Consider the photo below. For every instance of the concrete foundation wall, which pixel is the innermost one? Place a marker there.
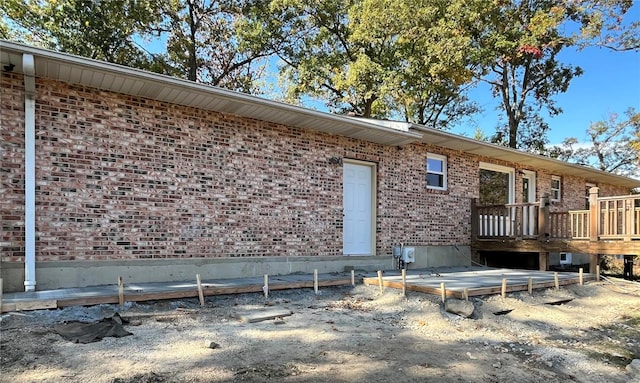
(576, 259)
(69, 274)
(440, 256)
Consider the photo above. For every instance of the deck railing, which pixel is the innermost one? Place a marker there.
(507, 221)
(579, 222)
(619, 217)
(609, 218)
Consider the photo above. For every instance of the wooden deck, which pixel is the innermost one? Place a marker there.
(476, 280)
(610, 226)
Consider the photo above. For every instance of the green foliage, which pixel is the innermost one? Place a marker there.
(99, 29)
(213, 42)
(604, 23)
(518, 45)
(612, 147)
(400, 59)
(379, 58)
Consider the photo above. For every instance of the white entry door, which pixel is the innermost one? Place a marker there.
(357, 201)
(529, 196)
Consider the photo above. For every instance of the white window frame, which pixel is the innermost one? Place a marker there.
(443, 159)
(558, 189)
(503, 169)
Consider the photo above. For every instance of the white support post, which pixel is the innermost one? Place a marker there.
(28, 70)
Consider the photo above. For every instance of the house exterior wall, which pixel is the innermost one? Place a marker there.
(124, 178)
(127, 178)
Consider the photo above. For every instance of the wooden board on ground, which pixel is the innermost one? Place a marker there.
(30, 305)
(259, 315)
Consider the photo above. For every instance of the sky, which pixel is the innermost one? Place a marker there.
(610, 84)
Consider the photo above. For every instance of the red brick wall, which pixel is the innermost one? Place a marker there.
(124, 178)
(11, 165)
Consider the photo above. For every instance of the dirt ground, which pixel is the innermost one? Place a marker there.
(346, 334)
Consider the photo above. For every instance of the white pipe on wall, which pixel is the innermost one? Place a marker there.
(28, 70)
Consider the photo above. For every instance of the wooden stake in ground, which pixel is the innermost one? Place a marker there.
(465, 294)
(556, 280)
(580, 277)
(443, 292)
(530, 285)
(380, 281)
(200, 292)
(265, 288)
(315, 281)
(120, 291)
(0, 295)
(404, 282)
(504, 287)
(353, 277)
(597, 273)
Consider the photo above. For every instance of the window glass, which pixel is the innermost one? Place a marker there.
(556, 191)
(436, 172)
(494, 187)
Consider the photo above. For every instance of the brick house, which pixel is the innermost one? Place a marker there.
(108, 171)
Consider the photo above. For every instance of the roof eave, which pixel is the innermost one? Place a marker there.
(139, 83)
(480, 148)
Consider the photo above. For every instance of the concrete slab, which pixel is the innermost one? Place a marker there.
(476, 280)
(171, 290)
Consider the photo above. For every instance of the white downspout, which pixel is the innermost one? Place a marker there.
(28, 70)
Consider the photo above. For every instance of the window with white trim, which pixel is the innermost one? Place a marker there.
(556, 188)
(497, 184)
(436, 172)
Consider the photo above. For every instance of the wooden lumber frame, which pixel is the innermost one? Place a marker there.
(460, 294)
(139, 296)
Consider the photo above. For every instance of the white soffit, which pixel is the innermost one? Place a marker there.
(526, 160)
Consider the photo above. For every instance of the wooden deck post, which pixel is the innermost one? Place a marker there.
(594, 214)
(475, 218)
(594, 263)
(543, 218)
(543, 260)
(629, 218)
(580, 276)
